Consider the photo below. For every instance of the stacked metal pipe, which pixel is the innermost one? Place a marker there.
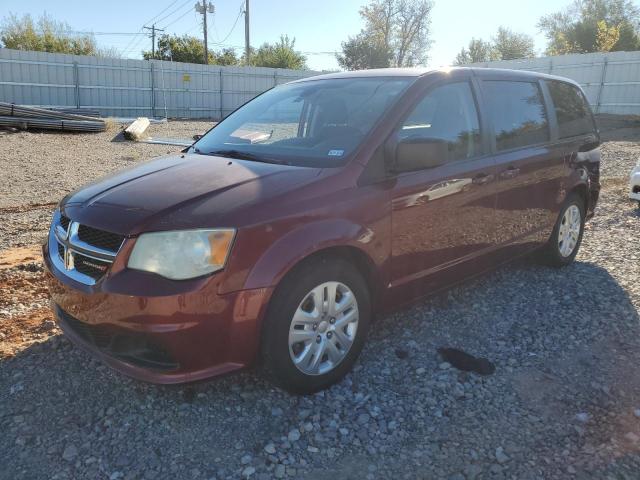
(18, 116)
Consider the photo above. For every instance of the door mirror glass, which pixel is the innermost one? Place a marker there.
(419, 153)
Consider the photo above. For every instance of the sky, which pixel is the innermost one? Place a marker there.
(318, 26)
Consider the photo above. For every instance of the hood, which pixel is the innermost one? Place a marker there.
(181, 191)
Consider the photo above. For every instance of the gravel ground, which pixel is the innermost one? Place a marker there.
(564, 401)
(38, 169)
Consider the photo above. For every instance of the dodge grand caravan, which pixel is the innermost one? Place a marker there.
(278, 235)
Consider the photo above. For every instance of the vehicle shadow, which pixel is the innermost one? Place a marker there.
(562, 341)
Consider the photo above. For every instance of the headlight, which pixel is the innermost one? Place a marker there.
(180, 255)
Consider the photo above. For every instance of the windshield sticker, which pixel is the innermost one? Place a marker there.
(335, 153)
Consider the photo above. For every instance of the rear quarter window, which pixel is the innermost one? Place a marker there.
(572, 111)
(517, 112)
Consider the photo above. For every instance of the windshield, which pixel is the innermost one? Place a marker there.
(315, 123)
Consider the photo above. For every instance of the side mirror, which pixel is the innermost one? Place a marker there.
(420, 153)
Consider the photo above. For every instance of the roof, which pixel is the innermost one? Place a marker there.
(375, 72)
(419, 72)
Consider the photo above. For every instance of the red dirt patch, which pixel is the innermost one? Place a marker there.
(19, 332)
(13, 257)
(25, 317)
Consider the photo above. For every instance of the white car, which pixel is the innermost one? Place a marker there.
(634, 184)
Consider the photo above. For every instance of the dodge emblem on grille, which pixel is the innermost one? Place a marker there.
(68, 259)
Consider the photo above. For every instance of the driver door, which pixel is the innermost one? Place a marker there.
(443, 216)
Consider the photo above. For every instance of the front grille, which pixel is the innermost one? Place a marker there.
(92, 250)
(131, 347)
(90, 266)
(64, 222)
(100, 238)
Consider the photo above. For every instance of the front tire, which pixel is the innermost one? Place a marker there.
(316, 325)
(563, 246)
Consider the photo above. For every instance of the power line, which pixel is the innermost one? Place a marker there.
(78, 32)
(230, 31)
(130, 44)
(173, 12)
(179, 18)
(162, 11)
(133, 44)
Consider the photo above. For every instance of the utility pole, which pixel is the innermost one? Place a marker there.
(203, 9)
(247, 47)
(153, 38)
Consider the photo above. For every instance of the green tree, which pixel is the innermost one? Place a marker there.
(227, 57)
(505, 45)
(397, 28)
(47, 35)
(188, 49)
(591, 26)
(281, 54)
(628, 40)
(477, 51)
(509, 45)
(359, 53)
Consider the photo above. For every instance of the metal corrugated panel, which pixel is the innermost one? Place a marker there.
(610, 80)
(131, 88)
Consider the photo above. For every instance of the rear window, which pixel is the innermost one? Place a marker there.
(517, 112)
(572, 111)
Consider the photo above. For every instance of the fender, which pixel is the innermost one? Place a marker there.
(298, 244)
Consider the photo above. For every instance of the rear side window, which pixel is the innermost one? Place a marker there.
(572, 111)
(517, 112)
(447, 113)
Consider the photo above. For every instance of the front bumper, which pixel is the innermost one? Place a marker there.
(174, 337)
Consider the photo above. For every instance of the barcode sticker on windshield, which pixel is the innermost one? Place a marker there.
(335, 153)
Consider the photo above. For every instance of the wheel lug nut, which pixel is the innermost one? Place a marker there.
(315, 326)
(329, 334)
(332, 321)
(318, 339)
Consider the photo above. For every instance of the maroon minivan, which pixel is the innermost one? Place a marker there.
(281, 232)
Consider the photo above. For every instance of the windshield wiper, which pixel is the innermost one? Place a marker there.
(241, 156)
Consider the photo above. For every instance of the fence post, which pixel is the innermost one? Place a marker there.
(275, 78)
(602, 78)
(76, 81)
(221, 94)
(153, 90)
(550, 66)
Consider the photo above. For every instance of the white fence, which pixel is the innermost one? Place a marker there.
(610, 80)
(132, 88)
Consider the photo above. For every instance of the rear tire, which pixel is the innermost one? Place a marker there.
(308, 344)
(564, 243)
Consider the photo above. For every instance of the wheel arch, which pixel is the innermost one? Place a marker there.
(582, 190)
(357, 257)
